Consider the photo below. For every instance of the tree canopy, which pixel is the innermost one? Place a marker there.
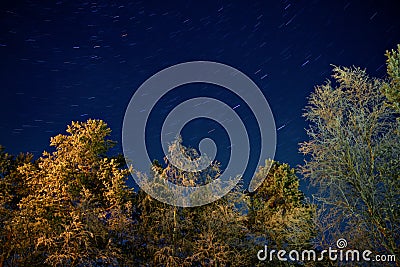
(72, 207)
(78, 208)
(354, 148)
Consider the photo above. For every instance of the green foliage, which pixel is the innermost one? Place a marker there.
(227, 232)
(391, 89)
(202, 236)
(354, 152)
(278, 211)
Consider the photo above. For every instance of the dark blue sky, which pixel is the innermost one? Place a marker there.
(74, 60)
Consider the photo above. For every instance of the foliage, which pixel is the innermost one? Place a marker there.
(227, 232)
(392, 89)
(200, 236)
(354, 153)
(279, 214)
(72, 207)
(12, 190)
(78, 210)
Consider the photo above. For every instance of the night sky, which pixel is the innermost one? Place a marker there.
(64, 61)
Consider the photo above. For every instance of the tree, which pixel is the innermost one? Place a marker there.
(391, 89)
(12, 190)
(353, 151)
(72, 207)
(78, 210)
(209, 235)
(229, 231)
(279, 214)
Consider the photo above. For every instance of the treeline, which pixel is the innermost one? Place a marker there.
(72, 207)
